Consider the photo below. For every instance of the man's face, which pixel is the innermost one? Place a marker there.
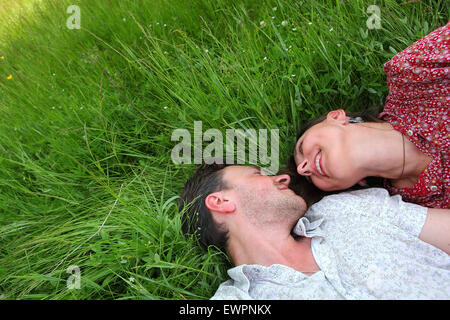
(264, 199)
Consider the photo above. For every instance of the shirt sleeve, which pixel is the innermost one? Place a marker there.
(421, 70)
(419, 92)
(227, 291)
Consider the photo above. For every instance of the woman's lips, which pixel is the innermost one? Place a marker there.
(318, 164)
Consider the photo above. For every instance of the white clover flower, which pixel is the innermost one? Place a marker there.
(294, 29)
(331, 29)
(274, 8)
(310, 23)
(165, 107)
(131, 279)
(262, 23)
(265, 58)
(206, 50)
(284, 23)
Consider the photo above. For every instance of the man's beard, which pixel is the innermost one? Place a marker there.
(278, 208)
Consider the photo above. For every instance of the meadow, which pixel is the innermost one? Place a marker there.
(87, 184)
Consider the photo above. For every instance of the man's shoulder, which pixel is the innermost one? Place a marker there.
(274, 282)
(229, 291)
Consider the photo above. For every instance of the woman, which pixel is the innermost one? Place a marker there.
(407, 145)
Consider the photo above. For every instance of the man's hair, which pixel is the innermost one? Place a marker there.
(207, 179)
(196, 217)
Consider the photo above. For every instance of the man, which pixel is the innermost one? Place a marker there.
(361, 244)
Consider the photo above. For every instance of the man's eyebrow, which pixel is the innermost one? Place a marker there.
(258, 169)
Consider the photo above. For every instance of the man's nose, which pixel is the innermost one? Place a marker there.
(283, 179)
(303, 168)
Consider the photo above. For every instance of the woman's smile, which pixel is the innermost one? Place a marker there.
(318, 164)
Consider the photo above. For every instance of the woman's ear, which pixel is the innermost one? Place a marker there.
(337, 115)
(220, 202)
(363, 183)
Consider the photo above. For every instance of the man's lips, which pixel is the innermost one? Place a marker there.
(283, 188)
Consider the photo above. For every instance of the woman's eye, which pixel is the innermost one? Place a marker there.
(300, 147)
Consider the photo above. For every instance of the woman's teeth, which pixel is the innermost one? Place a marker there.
(319, 169)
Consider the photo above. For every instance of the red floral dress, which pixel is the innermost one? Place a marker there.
(418, 105)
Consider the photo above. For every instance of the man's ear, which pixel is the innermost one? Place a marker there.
(338, 115)
(220, 202)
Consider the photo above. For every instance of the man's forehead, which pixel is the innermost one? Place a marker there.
(232, 172)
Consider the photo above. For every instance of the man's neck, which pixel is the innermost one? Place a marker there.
(266, 249)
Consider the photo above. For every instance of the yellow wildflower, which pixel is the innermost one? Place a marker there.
(2, 58)
(9, 77)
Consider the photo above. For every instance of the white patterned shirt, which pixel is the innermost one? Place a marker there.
(366, 245)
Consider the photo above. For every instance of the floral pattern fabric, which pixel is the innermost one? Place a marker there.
(418, 105)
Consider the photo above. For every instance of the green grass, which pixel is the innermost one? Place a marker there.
(86, 176)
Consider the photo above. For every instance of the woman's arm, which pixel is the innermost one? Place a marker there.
(436, 230)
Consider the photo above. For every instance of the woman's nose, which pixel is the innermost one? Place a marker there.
(283, 179)
(303, 168)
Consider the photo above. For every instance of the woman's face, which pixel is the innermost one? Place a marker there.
(322, 154)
